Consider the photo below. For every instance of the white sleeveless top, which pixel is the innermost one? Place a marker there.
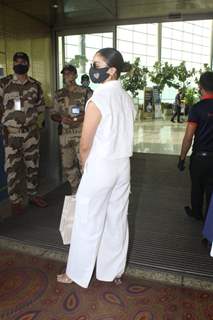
(114, 136)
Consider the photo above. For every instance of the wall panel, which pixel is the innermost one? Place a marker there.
(18, 32)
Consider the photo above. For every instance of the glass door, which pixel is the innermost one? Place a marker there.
(79, 50)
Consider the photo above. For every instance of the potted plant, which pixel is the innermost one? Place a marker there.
(205, 68)
(183, 76)
(135, 81)
(79, 61)
(167, 109)
(163, 75)
(191, 97)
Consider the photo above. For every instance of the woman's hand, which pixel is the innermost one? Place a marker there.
(91, 122)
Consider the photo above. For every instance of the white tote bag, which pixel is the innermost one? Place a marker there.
(67, 219)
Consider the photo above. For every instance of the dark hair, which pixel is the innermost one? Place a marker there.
(206, 81)
(84, 77)
(114, 59)
(69, 67)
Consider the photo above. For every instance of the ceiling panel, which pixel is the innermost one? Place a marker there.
(72, 12)
(38, 9)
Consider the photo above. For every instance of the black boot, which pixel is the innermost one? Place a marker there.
(190, 214)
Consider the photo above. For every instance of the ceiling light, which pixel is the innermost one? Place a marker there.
(55, 6)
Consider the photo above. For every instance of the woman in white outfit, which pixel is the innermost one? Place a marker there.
(100, 230)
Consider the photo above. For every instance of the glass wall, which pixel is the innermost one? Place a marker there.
(139, 40)
(177, 41)
(82, 45)
(188, 41)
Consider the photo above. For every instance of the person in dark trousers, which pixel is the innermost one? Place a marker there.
(177, 107)
(200, 127)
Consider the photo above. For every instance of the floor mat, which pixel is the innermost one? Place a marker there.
(161, 235)
(29, 291)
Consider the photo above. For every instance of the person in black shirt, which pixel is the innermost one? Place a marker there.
(200, 126)
(177, 107)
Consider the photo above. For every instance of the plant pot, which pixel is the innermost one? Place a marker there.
(139, 113)
(167, 114)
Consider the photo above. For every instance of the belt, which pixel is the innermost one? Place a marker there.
(67, 128)
(203, 154)
(23, 129)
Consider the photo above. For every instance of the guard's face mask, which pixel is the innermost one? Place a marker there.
(98, 75)
(85, 84)
(20, 68)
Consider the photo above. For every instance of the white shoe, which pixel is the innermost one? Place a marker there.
(211, 252)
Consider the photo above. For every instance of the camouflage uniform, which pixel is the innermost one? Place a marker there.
(21, 134)
(70, 137)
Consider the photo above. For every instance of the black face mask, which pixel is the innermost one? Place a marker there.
(85, 84)
(98, 75)
(20, 68)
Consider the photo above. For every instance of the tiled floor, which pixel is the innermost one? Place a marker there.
(158, 136)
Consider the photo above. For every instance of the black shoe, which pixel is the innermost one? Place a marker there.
(189, 213)
(172, 120)
(206, 243)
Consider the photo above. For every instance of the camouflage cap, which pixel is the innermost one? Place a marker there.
(69, 67)
(21, 55)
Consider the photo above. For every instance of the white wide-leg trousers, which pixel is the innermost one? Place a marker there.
(100, 231)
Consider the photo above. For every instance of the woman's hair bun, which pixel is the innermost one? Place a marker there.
(126, 67)
(115, 59)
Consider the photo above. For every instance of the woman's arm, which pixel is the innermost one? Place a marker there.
(91, 121)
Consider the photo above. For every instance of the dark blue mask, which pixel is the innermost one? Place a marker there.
(98, 75)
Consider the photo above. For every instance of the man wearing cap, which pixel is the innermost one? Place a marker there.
(85, 82)
(21, 102)
(68, 111)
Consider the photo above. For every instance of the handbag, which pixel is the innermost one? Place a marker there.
(67, 218)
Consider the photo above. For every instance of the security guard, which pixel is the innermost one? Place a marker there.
(85, 82)
(68, 111)
(200, 126)
(21, 103)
